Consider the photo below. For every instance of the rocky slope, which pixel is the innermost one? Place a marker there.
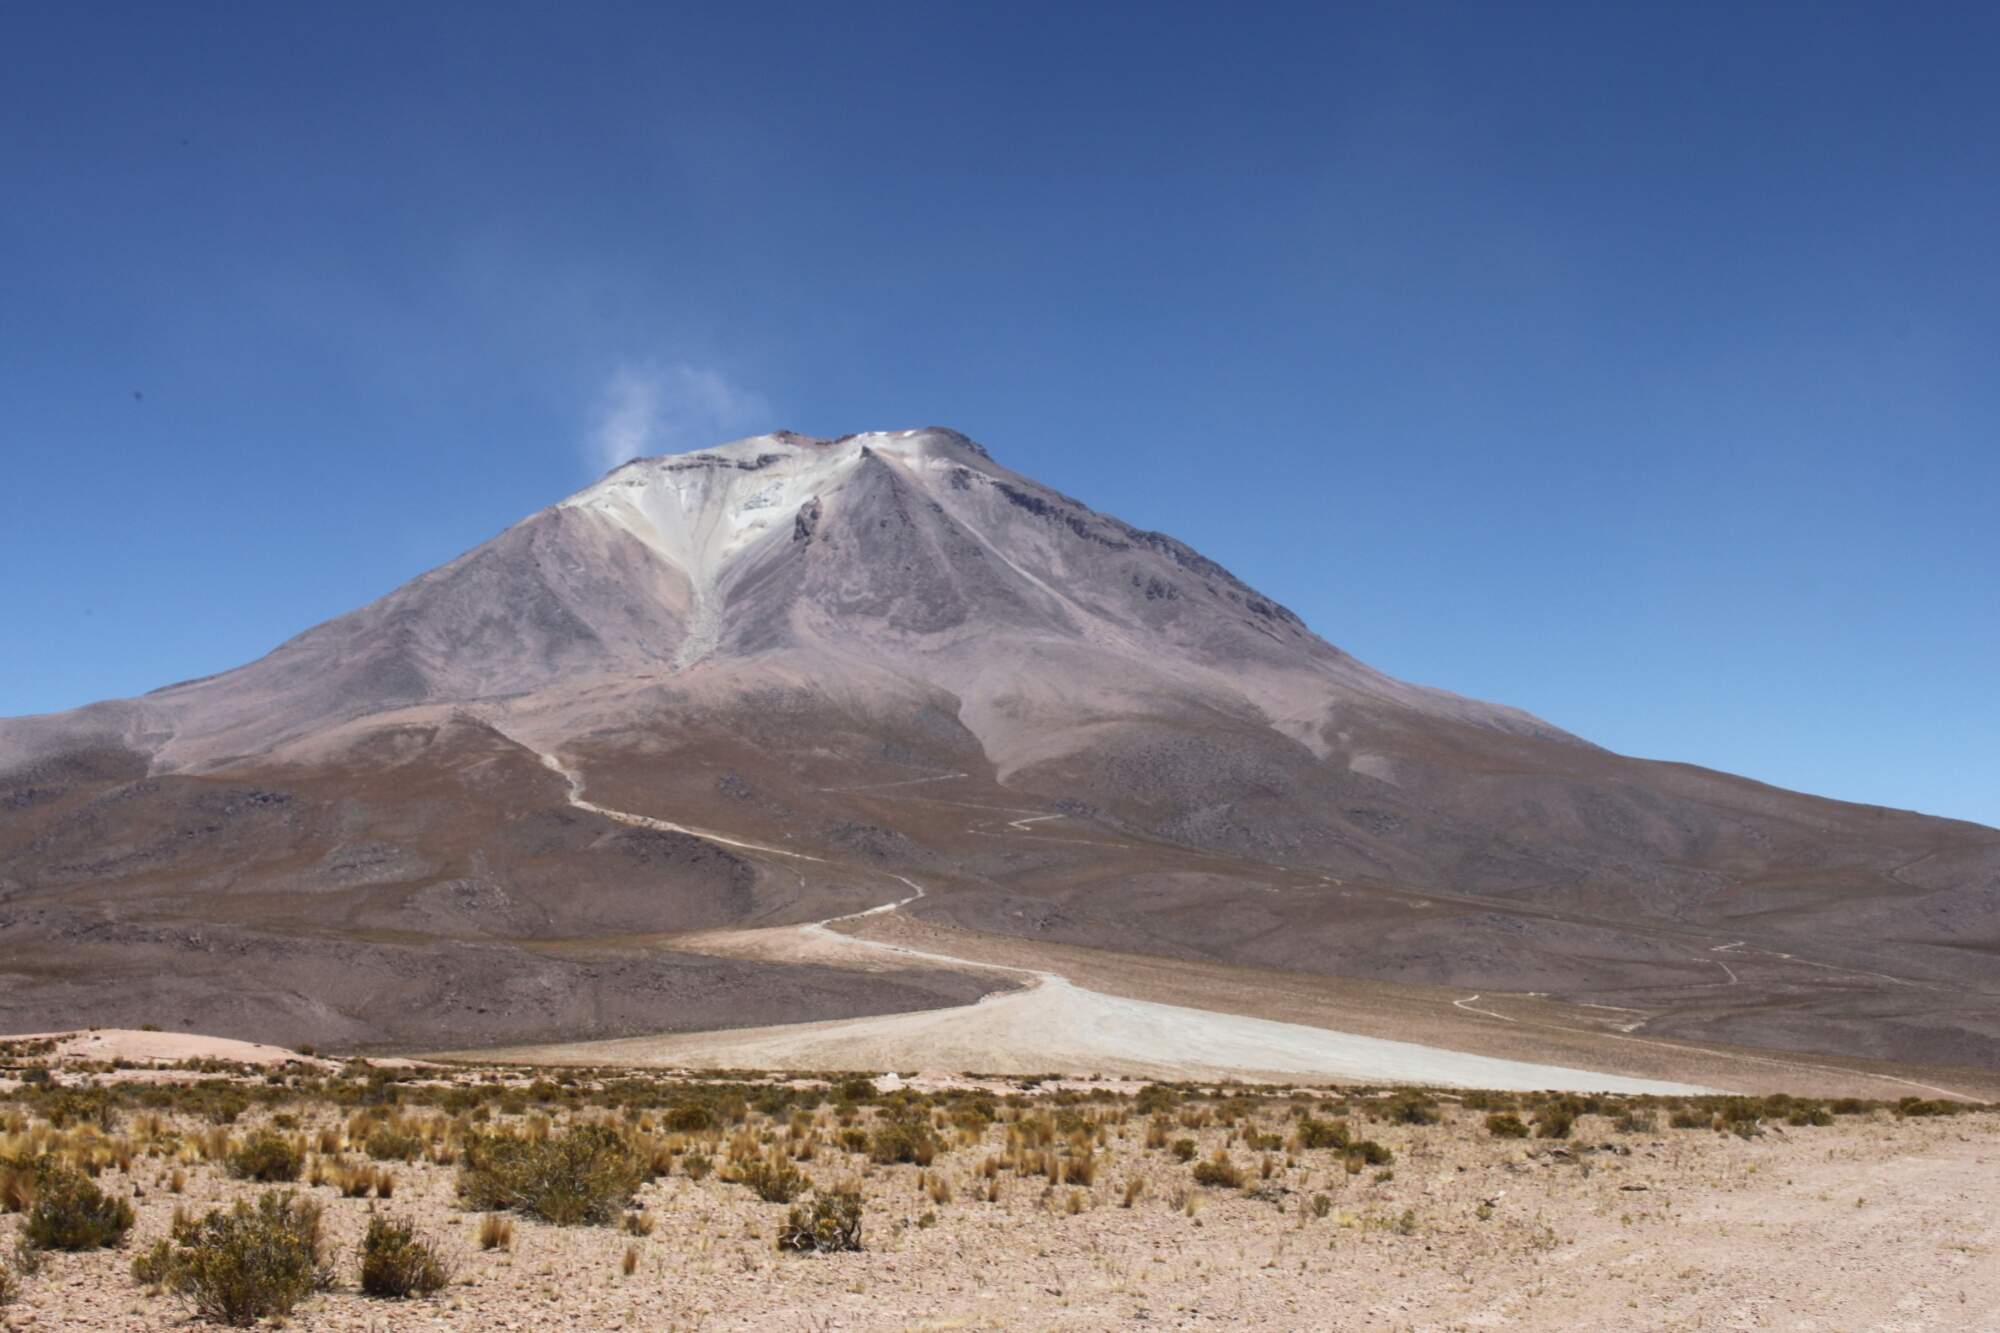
(890, 653)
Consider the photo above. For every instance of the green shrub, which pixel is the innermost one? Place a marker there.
(1411, 1110)
(1921, 1106)
(689, 1118)
(1688, 1117)
(1555, 1119)
(1368, 1152)
(71, 1213)
(396, 1262)
(1479, 1100)
(389, 1145)
(1323, 1133)
(267, 1157)
(1809, 1115)
(155, 1266)
(250, 1263)
(1506, 1125)
(832, 1223)
(904, 1139)
(1218, 1171)
(586, 1175)
(1631, 1121)
(1740, 1116)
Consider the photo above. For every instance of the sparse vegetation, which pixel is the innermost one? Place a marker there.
(579, 1146)
(584, 1176)
(833, 1222)
(69, 1211)
(773, 1178)
(249, 1262)
(267, 1158)
(1219, 1171)
(396, 1262)
(904, 1139)
(496, 1232)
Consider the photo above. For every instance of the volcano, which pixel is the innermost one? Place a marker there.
(745, 688)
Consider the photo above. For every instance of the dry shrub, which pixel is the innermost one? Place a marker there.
(250, 1263)
(387, 1144)
(396, 1262)
(69, 1212)
(1219, 1171)
(905, 1139)
(773, 1179)
(1506, 1125)
(1323, 1133)
(267, 1158)
(1555, 1119)
(832, 1223)
(585, 1176)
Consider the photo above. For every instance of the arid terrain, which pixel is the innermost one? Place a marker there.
(541, 794)
(1012, 1204)
(1225, 980)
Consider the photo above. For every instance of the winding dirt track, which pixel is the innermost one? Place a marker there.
(1048, 1025)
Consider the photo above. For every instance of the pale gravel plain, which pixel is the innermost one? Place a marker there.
(1051, 1024)
(1869, 1224)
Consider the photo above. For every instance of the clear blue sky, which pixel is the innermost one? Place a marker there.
(1634, 367)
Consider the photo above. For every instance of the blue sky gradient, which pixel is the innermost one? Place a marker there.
(1635, 366)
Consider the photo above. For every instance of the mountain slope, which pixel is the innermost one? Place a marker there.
(871, 650)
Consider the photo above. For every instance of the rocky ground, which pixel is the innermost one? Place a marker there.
(1072, 1205)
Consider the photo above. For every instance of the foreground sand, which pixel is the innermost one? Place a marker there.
(1872, 1222)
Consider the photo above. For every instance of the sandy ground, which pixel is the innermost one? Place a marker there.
(1054, 1026)
(1107, 1013)
(144, 1047)
(1876, 1224)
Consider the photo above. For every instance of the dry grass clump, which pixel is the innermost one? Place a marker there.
(1219, 1170)
(586, 1175)
(832, 1223)
(496, 1232)
(773, 1179)
(396, 1262)
(246, 1263)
